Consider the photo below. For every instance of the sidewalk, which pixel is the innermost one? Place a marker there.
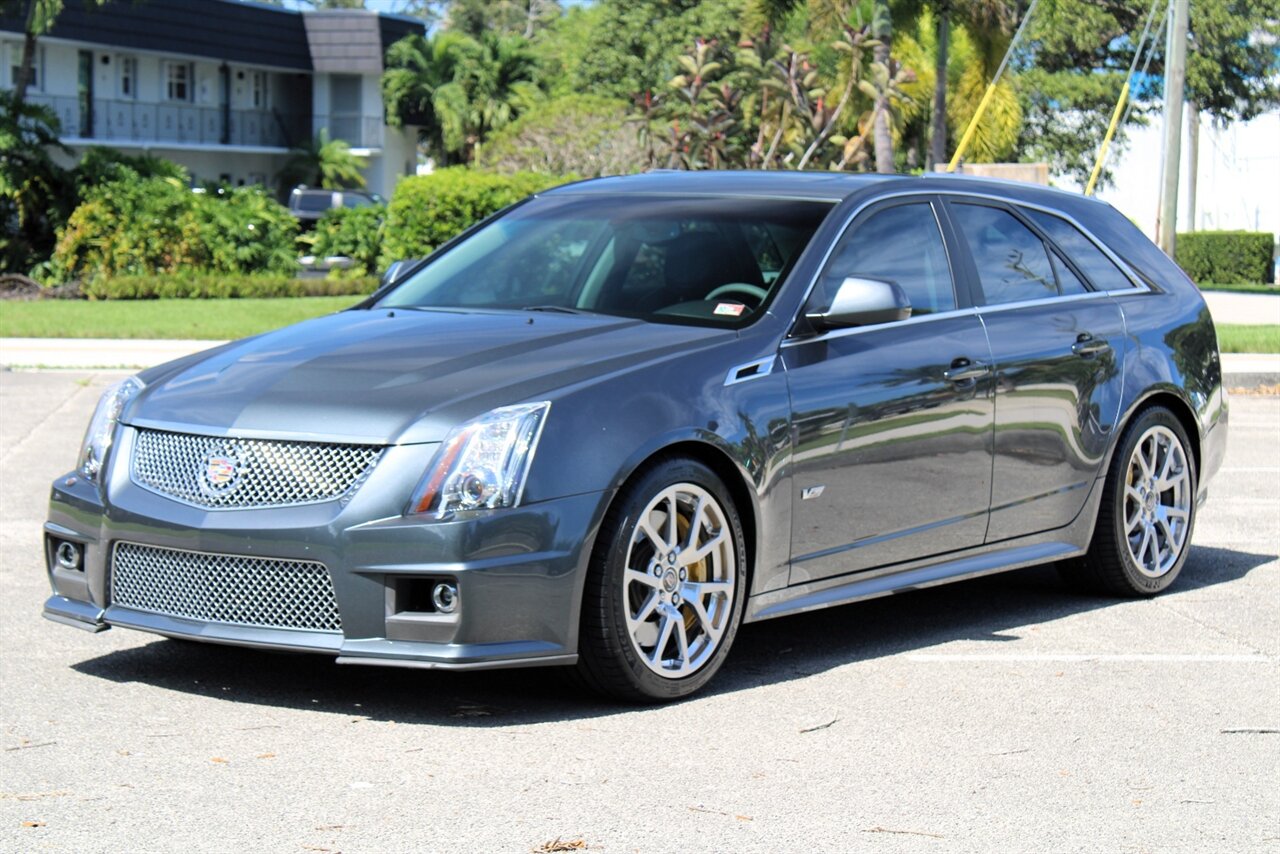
(81, 353)
(1247, 309)
(1243, 370)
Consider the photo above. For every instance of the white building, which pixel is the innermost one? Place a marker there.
(1237, 179)
(224, 88)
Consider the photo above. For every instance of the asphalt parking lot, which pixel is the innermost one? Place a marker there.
(997, 715)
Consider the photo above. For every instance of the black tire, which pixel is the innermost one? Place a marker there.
(1109, 566)
(611, 660)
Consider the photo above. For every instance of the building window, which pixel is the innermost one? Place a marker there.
(258, 83)
(129, 77)
(177, 78)
(37, 67)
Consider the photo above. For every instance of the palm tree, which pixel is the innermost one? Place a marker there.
(988, 24)
(322, 162)
(963, 83)
(419, 88)
(500, 83)
(882, 32)
(458, 89)
(938, 119)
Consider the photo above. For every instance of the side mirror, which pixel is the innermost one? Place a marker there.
(862, 302)
(397, 270)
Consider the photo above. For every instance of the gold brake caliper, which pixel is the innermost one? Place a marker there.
(697, 572)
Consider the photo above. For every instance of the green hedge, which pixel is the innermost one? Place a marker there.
(353, 232)
(1226, 256)
(222, 287)
(427, 210)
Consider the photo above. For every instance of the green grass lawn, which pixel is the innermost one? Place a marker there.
(1238, 338)
(1246, 288)
(218, 319)
(214, 319)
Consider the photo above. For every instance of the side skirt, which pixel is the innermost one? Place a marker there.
(987, 559)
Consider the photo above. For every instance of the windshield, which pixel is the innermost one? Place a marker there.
(713, 261)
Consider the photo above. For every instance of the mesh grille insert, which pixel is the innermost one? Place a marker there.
(227, 473)
(217, 588)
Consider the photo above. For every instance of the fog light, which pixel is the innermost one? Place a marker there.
(68, 556)
(445, 598)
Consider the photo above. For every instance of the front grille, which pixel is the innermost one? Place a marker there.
(231, 474)
(217, 588)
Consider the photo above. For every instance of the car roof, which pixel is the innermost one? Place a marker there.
(818, 186)
(823, 186)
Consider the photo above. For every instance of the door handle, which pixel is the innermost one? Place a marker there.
(963, 370)
(1086, 345)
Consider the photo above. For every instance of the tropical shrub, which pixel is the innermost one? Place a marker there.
(128, 227)
(34, 190)
(1226, 257)
(574, 135)
(353, 232)
(102, 165)
(427, 210)
(157, 225)
(244, 230)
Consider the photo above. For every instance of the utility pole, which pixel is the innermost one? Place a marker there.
(1175, 83)
(1193, 161)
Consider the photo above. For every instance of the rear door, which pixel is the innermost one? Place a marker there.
(892, 422)
(1056, 345)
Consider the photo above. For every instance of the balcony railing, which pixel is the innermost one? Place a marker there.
(136, 121)
(358, 131)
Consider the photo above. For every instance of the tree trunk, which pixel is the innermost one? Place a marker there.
(883, 33)
(28, 56)
(532, 8)
(938, 121)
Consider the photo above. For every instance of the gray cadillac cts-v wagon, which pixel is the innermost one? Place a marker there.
(612, 423)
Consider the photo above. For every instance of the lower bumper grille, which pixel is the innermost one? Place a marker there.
(237, 589)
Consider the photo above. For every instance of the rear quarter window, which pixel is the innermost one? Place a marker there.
(1100, 270)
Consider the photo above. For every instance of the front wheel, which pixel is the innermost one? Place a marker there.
(1147, 512)
(664, 595)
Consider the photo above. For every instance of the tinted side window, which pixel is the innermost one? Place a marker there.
(1092, 261)
(1012, 263)
(901, 244)
(1068, 282)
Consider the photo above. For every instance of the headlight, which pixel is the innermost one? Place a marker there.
(102, 427)
(483, 464)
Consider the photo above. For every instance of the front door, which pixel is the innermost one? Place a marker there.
(1056, 343)
(892, 423)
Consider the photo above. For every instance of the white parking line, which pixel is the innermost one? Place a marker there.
(1071, 656)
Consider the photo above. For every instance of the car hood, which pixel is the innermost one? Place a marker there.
(400, 376)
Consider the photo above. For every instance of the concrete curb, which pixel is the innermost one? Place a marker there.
(1240, 370)
(1250, 370)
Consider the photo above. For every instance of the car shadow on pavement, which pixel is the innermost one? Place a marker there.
(774, 651)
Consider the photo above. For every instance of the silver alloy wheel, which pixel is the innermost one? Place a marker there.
(678, 582)
(1157, 501)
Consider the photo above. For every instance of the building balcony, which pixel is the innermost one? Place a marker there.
(360, 132)
(125, 122)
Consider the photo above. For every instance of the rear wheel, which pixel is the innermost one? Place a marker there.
(664, 596)
(1147, 513)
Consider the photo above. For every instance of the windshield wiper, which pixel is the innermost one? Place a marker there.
(558, 309)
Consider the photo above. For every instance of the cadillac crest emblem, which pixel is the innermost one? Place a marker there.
(220, 471)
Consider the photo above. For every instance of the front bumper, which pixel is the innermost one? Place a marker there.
(519, 572)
